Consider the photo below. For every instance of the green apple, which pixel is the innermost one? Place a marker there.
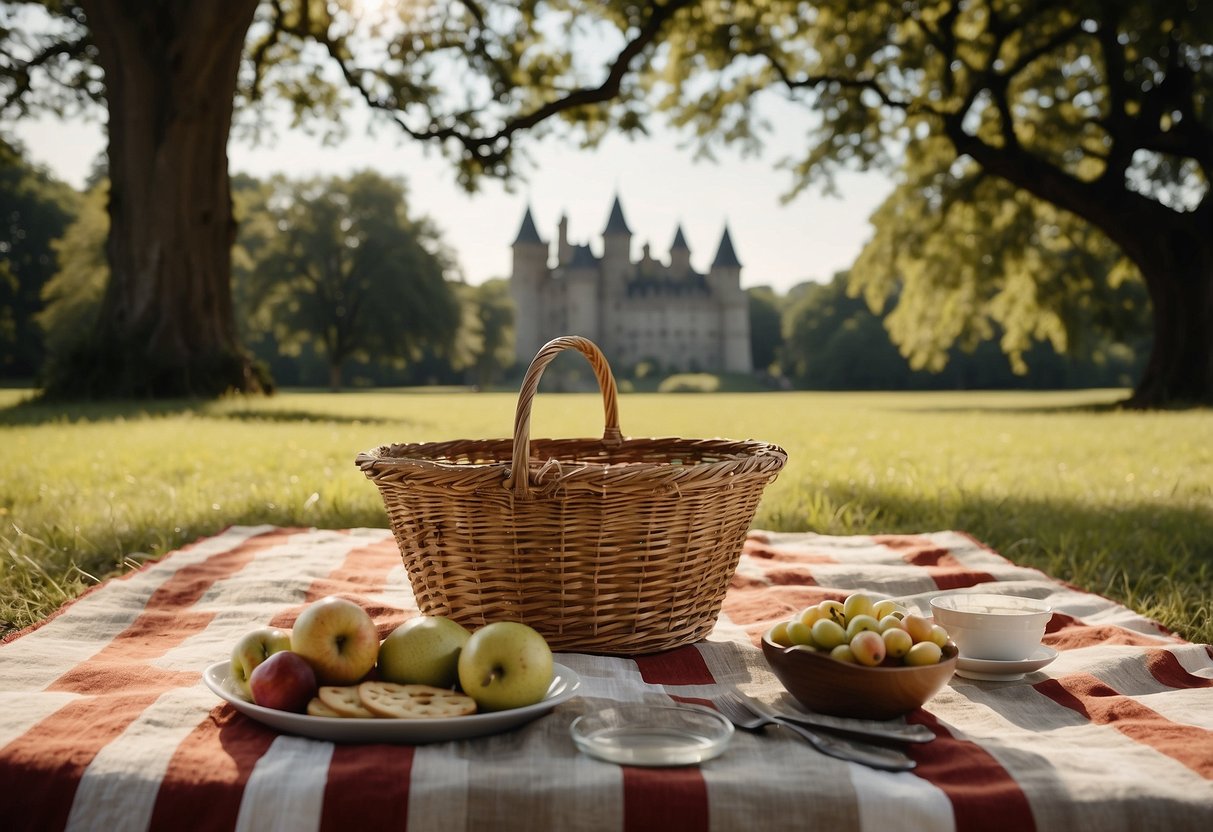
(505, 665)
(423, 651)
(338, 639)
(252, 649)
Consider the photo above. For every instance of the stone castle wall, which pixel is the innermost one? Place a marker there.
(645, 310)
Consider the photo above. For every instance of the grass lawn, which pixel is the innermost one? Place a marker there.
(1118, 503)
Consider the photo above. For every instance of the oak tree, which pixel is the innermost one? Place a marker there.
(1035, 146)
(467, 76)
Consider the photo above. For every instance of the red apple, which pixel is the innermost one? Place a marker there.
(284, 682)
(338, 639)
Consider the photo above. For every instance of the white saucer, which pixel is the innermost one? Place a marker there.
(989, 670)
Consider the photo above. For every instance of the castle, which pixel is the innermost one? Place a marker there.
(634, 311)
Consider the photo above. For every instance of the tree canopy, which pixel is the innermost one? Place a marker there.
(35, 210)
(349, 270)
(1083, 130)
(465, 76)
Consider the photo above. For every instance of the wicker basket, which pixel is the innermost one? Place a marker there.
(611, 545)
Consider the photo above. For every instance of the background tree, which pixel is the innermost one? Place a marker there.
(1098, 110)
(72, 298)
(834, 341)
(351, 273)
(35, 210)
(766, 334)
(463, 75)
(489, 331)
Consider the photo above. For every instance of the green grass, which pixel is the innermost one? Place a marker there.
(1119, 503)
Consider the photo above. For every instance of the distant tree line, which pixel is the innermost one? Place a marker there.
(336, 282)
(340, 282)
(821, 336)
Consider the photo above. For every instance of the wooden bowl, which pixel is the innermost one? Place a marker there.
(829, 686)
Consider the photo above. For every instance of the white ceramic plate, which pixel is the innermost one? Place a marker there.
(565, 684)
(995, 671)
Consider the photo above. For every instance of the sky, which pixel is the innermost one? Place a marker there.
(657, 179)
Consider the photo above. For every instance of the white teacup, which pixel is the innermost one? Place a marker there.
(992, 627)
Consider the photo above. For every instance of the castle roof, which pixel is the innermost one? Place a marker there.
(664, 284)
(616, 224)
(582, 256)
(528, 233)
(680, 242)
(725, 256)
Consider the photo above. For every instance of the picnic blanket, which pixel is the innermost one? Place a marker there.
(105, 722)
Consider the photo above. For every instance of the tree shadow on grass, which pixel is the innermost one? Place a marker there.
(1056, 410)
(33, 412)
(1140, 554)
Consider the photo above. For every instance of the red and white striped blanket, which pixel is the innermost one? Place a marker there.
(105, 722)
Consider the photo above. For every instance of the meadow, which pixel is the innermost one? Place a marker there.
(1118, 503)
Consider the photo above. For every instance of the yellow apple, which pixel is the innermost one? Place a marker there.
(505, 665)
(252, 649)
(423, 651)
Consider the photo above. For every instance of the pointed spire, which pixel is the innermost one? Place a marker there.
(725, 256)
(616, 224)
(528, 233)
(680, 242)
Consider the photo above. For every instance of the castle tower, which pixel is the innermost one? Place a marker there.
(680, 255)
(725, 280)
(530, 273)
(616, 251)
(564, 249)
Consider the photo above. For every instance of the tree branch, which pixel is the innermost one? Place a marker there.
(21, 73)
(491, 148)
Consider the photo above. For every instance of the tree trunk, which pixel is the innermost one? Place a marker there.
(335, 376)
(1172, 249)
(167, 326)
(1178, 271)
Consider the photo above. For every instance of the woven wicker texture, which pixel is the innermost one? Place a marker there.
(612, 545)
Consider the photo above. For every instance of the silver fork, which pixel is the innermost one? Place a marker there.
(875, 756)
(872, 728)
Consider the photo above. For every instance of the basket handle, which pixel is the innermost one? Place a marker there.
(611, 435)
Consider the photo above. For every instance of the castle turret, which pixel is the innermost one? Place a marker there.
(529, 274)
(680, 255)
(725, 280)
(564, 249)
(616, 251)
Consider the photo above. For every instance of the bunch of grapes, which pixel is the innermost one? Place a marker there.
(864, 631)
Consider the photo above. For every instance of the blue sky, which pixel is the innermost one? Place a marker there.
(657, 179)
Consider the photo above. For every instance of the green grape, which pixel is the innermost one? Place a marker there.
(890, 622)
(800, 633)
(923, 653)
(779, 634)
(833, 611)
(828, 634)
(860, 623)
(843, 654)
(857, 604)
(868, 648)
(809, 615)
(918, 627)
(897, 642)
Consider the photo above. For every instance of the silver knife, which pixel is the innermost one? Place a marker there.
(899, 731)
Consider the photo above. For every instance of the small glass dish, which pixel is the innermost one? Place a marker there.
(652, 735)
